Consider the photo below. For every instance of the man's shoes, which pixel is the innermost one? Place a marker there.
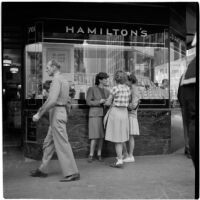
(90, 159)
(38, 173)
(73, 177)
(129, 159)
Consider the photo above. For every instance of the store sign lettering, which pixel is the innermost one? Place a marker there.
(107, 31)
(31, 29)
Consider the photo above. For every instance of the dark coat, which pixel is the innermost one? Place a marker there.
(187, 99)
(93, 100)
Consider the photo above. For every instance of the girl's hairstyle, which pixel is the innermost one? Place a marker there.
(132, 78)
(120, 77)
(55, 63)
(100, 76)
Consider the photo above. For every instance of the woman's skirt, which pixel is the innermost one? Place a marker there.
(96, 129)
(133, 125)
(117, 125)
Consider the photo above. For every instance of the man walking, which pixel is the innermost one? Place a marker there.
(57, 138)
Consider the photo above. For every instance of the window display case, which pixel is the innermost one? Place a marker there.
(81, 62)
(34, 76)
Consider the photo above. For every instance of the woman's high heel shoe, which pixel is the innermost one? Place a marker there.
(90, 159)
(99, 158)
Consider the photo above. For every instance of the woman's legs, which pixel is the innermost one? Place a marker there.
(129, 156)
(131, 145)
(118, 149)
(125, 152)
(92, 146)
(100, 144)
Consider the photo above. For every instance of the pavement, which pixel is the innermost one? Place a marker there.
(168, 176)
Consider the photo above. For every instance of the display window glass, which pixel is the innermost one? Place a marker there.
(83, 55)
(34, 74)
(150, 65)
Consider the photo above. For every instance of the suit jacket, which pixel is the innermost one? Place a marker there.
(93, 100)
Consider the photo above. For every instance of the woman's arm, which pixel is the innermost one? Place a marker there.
(109, 100)
(90, 99)
(135, 98)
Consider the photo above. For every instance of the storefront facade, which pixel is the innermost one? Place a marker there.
(153, 47)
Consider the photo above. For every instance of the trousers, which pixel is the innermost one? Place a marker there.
(57, 140)
(189, 107)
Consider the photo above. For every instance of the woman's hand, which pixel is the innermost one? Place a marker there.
(102, 101)
(130, 107)
(108, 101)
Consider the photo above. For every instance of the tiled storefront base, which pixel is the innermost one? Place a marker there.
(154, 138)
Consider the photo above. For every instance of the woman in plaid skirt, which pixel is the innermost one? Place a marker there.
(133, 121)
(116, 120)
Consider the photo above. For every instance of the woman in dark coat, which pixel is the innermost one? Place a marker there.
(96, 97)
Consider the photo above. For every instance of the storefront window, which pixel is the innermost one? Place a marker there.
(83, 50)
(34, 71)
(148, 62)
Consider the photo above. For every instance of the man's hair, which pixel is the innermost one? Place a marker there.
(54, 63)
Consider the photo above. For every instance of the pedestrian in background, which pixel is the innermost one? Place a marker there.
(116, 119)
(46, 87)
(188, 101)
(184, 117)
(133, 120)
(96, 97)
(57, 138)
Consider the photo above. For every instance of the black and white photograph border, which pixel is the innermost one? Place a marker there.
(99, 99)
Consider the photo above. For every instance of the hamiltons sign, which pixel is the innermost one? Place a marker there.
(106, 31)
(66, 28)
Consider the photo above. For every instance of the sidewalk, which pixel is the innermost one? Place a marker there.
(163, 176)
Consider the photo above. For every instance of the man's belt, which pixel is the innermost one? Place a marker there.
(60, 105)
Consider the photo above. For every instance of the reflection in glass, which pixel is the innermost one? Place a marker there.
(150, 64)
(146, 56)
(34, 71)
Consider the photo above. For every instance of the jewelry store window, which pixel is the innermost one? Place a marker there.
(84, 51)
